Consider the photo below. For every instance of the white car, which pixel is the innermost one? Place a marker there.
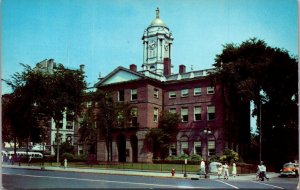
(213, 167)
(38, 147)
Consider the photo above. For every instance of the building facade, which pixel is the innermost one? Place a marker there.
(154, 89)
(67, 127)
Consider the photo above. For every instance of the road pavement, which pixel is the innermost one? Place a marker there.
(181, 175)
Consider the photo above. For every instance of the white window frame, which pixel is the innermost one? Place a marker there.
(155, 93)
(119, 96)
(182, 113)
(211, 109)
(210, 90)
(184, 92)
(197, 144)
(172, 94)
(211, 146)
(196, 112)
(197, 91)
(133, 92)
(155, 115)
(172, 110)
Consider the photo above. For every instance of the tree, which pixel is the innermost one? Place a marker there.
(88, 130)
(254, 71)
(111, 115)
(160, 138)
(42, 94)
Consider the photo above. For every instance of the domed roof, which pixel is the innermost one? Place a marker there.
(157, 21)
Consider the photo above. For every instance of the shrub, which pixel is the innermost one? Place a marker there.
(69, 156)
(229, 156)
(184, 156)
(196, 157)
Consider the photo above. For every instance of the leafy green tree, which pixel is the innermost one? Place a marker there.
(110, 115)
(161, 137)
(254, 71)
(229, 156)
(42, 94)
(88, 130)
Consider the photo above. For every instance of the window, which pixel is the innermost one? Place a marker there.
(211, 112)
(134, 94)
(184, 92)
(134, 114)
(197, 148)
(155, 115)
(184, 145)
(184, 114)
(121, 95)
(197, 113)
(211, 147)
(155, 93)
(197, 91)
(172, 110)
(210, 90)
(172, 94)
(89, 104)
(69, 125)
(172, 151)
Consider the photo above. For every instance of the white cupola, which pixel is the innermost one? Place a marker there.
(157, 40)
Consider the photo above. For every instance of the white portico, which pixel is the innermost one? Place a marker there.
(157, 41)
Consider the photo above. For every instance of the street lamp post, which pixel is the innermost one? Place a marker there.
(207, 131)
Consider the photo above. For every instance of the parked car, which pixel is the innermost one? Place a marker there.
(289, 169)
(213, 167)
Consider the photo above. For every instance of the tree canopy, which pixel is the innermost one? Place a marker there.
(254, 71)
(39, 95)
(160, 138)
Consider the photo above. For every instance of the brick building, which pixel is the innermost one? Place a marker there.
(155, 89)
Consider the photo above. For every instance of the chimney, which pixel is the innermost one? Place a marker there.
(181, 69)
(81, 68)
(132, 67)
(167, 66)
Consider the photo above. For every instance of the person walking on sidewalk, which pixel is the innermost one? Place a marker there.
(262, 171)
(202, 168)
(233, 169)
(225, 171)
(65, 163)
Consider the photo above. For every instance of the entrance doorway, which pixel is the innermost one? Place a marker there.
(121, 148)
(134, 146)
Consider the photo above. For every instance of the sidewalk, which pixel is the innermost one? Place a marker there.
(249, 177)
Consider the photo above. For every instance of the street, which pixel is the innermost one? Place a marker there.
(13, 178)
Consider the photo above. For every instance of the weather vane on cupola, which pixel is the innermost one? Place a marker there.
(157, 12)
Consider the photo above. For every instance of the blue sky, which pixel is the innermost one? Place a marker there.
(105, 34)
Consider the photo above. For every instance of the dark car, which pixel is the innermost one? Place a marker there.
(289, 169)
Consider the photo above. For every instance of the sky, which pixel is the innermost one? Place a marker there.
(105, 34)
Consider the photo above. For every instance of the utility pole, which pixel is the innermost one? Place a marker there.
(260, 133)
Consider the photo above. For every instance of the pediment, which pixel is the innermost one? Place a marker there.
(120, 75)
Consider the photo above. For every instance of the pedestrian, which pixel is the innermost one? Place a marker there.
(263, 171)
(202, 168)
(10, 159)
(233, 169)
(225, 171)
(65, 163)
(220, 171)
(29, 160)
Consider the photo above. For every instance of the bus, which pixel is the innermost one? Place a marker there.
(24, 153)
